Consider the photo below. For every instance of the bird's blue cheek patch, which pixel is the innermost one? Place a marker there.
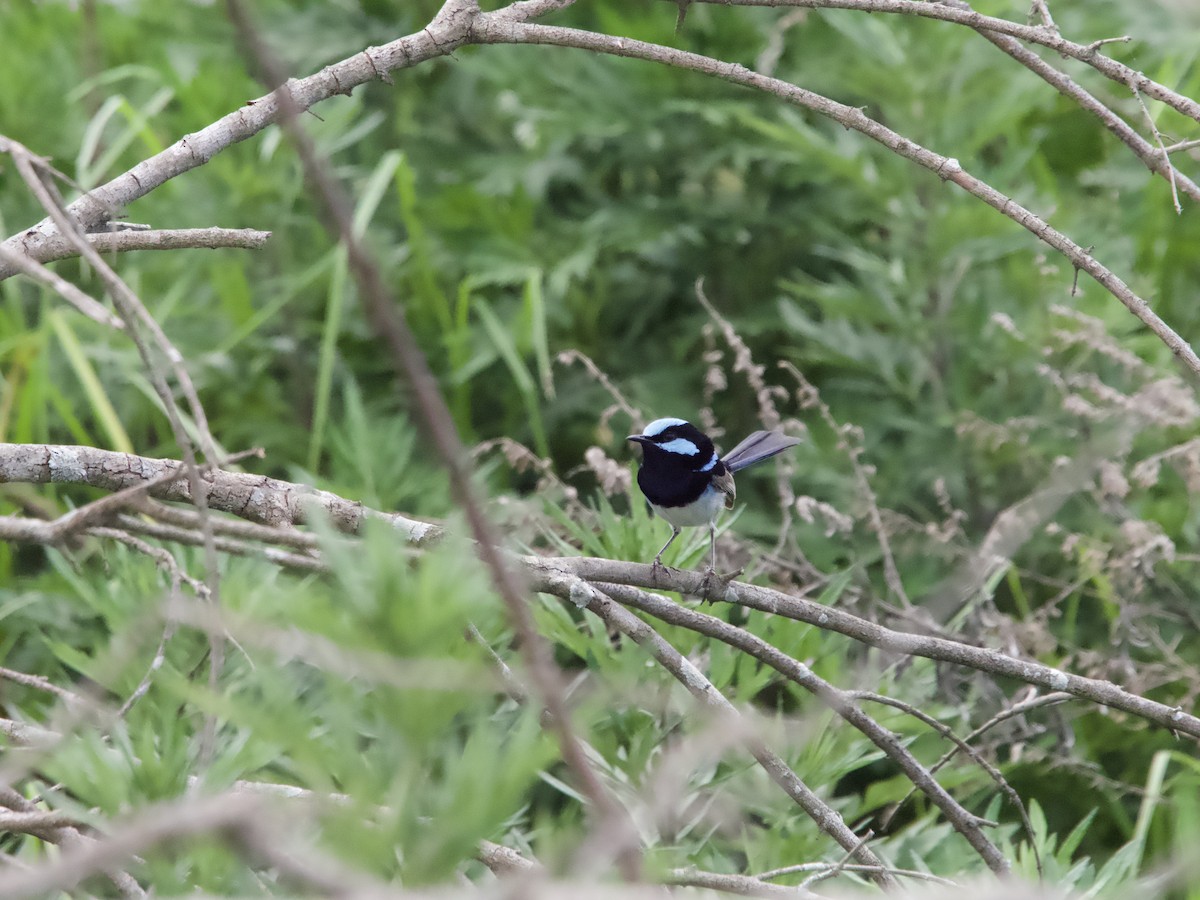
(707, 467)
(680, 445)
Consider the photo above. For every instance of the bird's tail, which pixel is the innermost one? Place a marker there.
(756, 447)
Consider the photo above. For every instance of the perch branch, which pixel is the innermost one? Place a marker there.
(282, 503)
(828, 618)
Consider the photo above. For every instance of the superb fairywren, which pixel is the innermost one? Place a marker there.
(685, 480)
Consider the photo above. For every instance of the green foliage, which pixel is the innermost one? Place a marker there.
(528, 200)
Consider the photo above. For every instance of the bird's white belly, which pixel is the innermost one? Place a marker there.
(702, 512)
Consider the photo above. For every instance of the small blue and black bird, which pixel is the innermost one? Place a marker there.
(685, 480)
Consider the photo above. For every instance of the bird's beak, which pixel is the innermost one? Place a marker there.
(637, 438)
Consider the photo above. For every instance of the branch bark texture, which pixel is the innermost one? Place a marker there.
(254, 497)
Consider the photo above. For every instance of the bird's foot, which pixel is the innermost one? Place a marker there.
(658, 569)
(711, 575)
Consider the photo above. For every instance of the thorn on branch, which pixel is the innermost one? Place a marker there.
(1096, 45)
(1181, 145)
(1075, 280)
(683, 8)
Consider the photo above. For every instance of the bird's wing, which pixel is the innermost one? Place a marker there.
(724, 484)
(756, 447)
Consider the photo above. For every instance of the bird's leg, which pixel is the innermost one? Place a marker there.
(657, 565)
(712, 541)
(712, 562)
(712, 566)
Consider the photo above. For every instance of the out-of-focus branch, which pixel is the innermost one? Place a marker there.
(387, 320)
(27, 817)
(81, 300)
(240, 818)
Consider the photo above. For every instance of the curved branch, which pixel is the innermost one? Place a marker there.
(1047, 36)
(1156, 159)
(496, 28)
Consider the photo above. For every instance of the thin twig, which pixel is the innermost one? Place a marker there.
(108, 242)
(1162, 149)
(960, 744)
(1122, 130)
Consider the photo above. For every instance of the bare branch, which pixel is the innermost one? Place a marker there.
(195, 538)
(237, 817)
(524, 10)
(254, 497)
(822, 868)
(743, 885)
(1162, 149)
(841, 702)
(73, 842)
(38, 682)
(1122, 130)
(155, 239)
(25, 735)
(505, 861)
